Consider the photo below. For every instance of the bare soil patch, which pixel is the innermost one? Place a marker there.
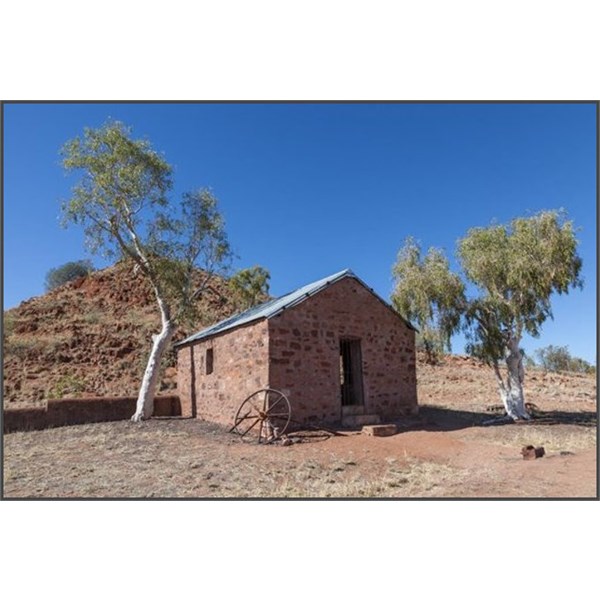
(177, 458)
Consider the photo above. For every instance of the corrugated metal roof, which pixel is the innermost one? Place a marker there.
(274, 307)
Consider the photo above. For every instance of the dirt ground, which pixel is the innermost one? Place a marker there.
(443, 455)
(447, 451)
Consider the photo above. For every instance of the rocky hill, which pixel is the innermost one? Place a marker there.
(91, 337)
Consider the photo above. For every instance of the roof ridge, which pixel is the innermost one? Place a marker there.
(275, 306)
(269, 308)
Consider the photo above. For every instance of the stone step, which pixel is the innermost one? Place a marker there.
(380, 430)
(360, 420)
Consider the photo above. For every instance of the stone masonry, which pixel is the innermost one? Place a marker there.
(304, 354)
(298, 352)
(240, 367)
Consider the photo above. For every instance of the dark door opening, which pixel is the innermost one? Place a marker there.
(351, 373)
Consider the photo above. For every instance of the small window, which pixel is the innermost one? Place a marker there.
(209, 361)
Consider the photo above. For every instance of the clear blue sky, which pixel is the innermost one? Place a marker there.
(310, 189)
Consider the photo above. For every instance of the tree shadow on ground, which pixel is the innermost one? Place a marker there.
(439, 418)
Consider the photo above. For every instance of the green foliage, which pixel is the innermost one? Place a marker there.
(67, 272)
(21, 347)
(120, 179)
(249, 287)
(67, 384)
(558, 358)
(121, 201)
(26, 346)
(178, 245)
(429, 295)
(516, 268)
(93, 317)
(8, 324)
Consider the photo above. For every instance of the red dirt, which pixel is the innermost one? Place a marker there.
(437, 457)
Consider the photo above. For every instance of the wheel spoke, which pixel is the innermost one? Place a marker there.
(251, 426)
(245, 418)
(275, 403)
(254, 403)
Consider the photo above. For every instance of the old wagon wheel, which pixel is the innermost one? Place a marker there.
(263, 416)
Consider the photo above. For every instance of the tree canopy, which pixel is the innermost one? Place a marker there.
(429, 295)
(249, 287)
(516, 268)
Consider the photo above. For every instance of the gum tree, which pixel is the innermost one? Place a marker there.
(122, 202)
(514, 270)
(429, 295)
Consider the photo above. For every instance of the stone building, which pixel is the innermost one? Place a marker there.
(338, 351)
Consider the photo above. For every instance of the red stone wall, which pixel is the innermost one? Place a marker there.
(240, 367)
(304, 347)
(75, 411)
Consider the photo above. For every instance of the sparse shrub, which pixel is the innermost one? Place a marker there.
(67, 384)
(8, 324)
(22, 347)
(528, 361)
(92, 317)
(67, 272)
(578, 365)
(432, 349)
(558, 358)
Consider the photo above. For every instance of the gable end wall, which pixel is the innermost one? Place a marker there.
(304, 353)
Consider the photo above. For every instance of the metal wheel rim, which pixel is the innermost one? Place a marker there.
(263, 416)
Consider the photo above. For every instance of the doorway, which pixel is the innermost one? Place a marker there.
(351, 379)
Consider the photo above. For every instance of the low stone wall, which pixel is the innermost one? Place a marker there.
(76, 411)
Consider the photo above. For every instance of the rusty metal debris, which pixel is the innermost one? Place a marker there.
(531, 452)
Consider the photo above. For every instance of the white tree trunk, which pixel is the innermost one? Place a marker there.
(512, 393)
(145, 401)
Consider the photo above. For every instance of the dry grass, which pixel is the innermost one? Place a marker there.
(563, 438)
(187, 459)
(465, 382)
(32, 344)
(341, 479)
